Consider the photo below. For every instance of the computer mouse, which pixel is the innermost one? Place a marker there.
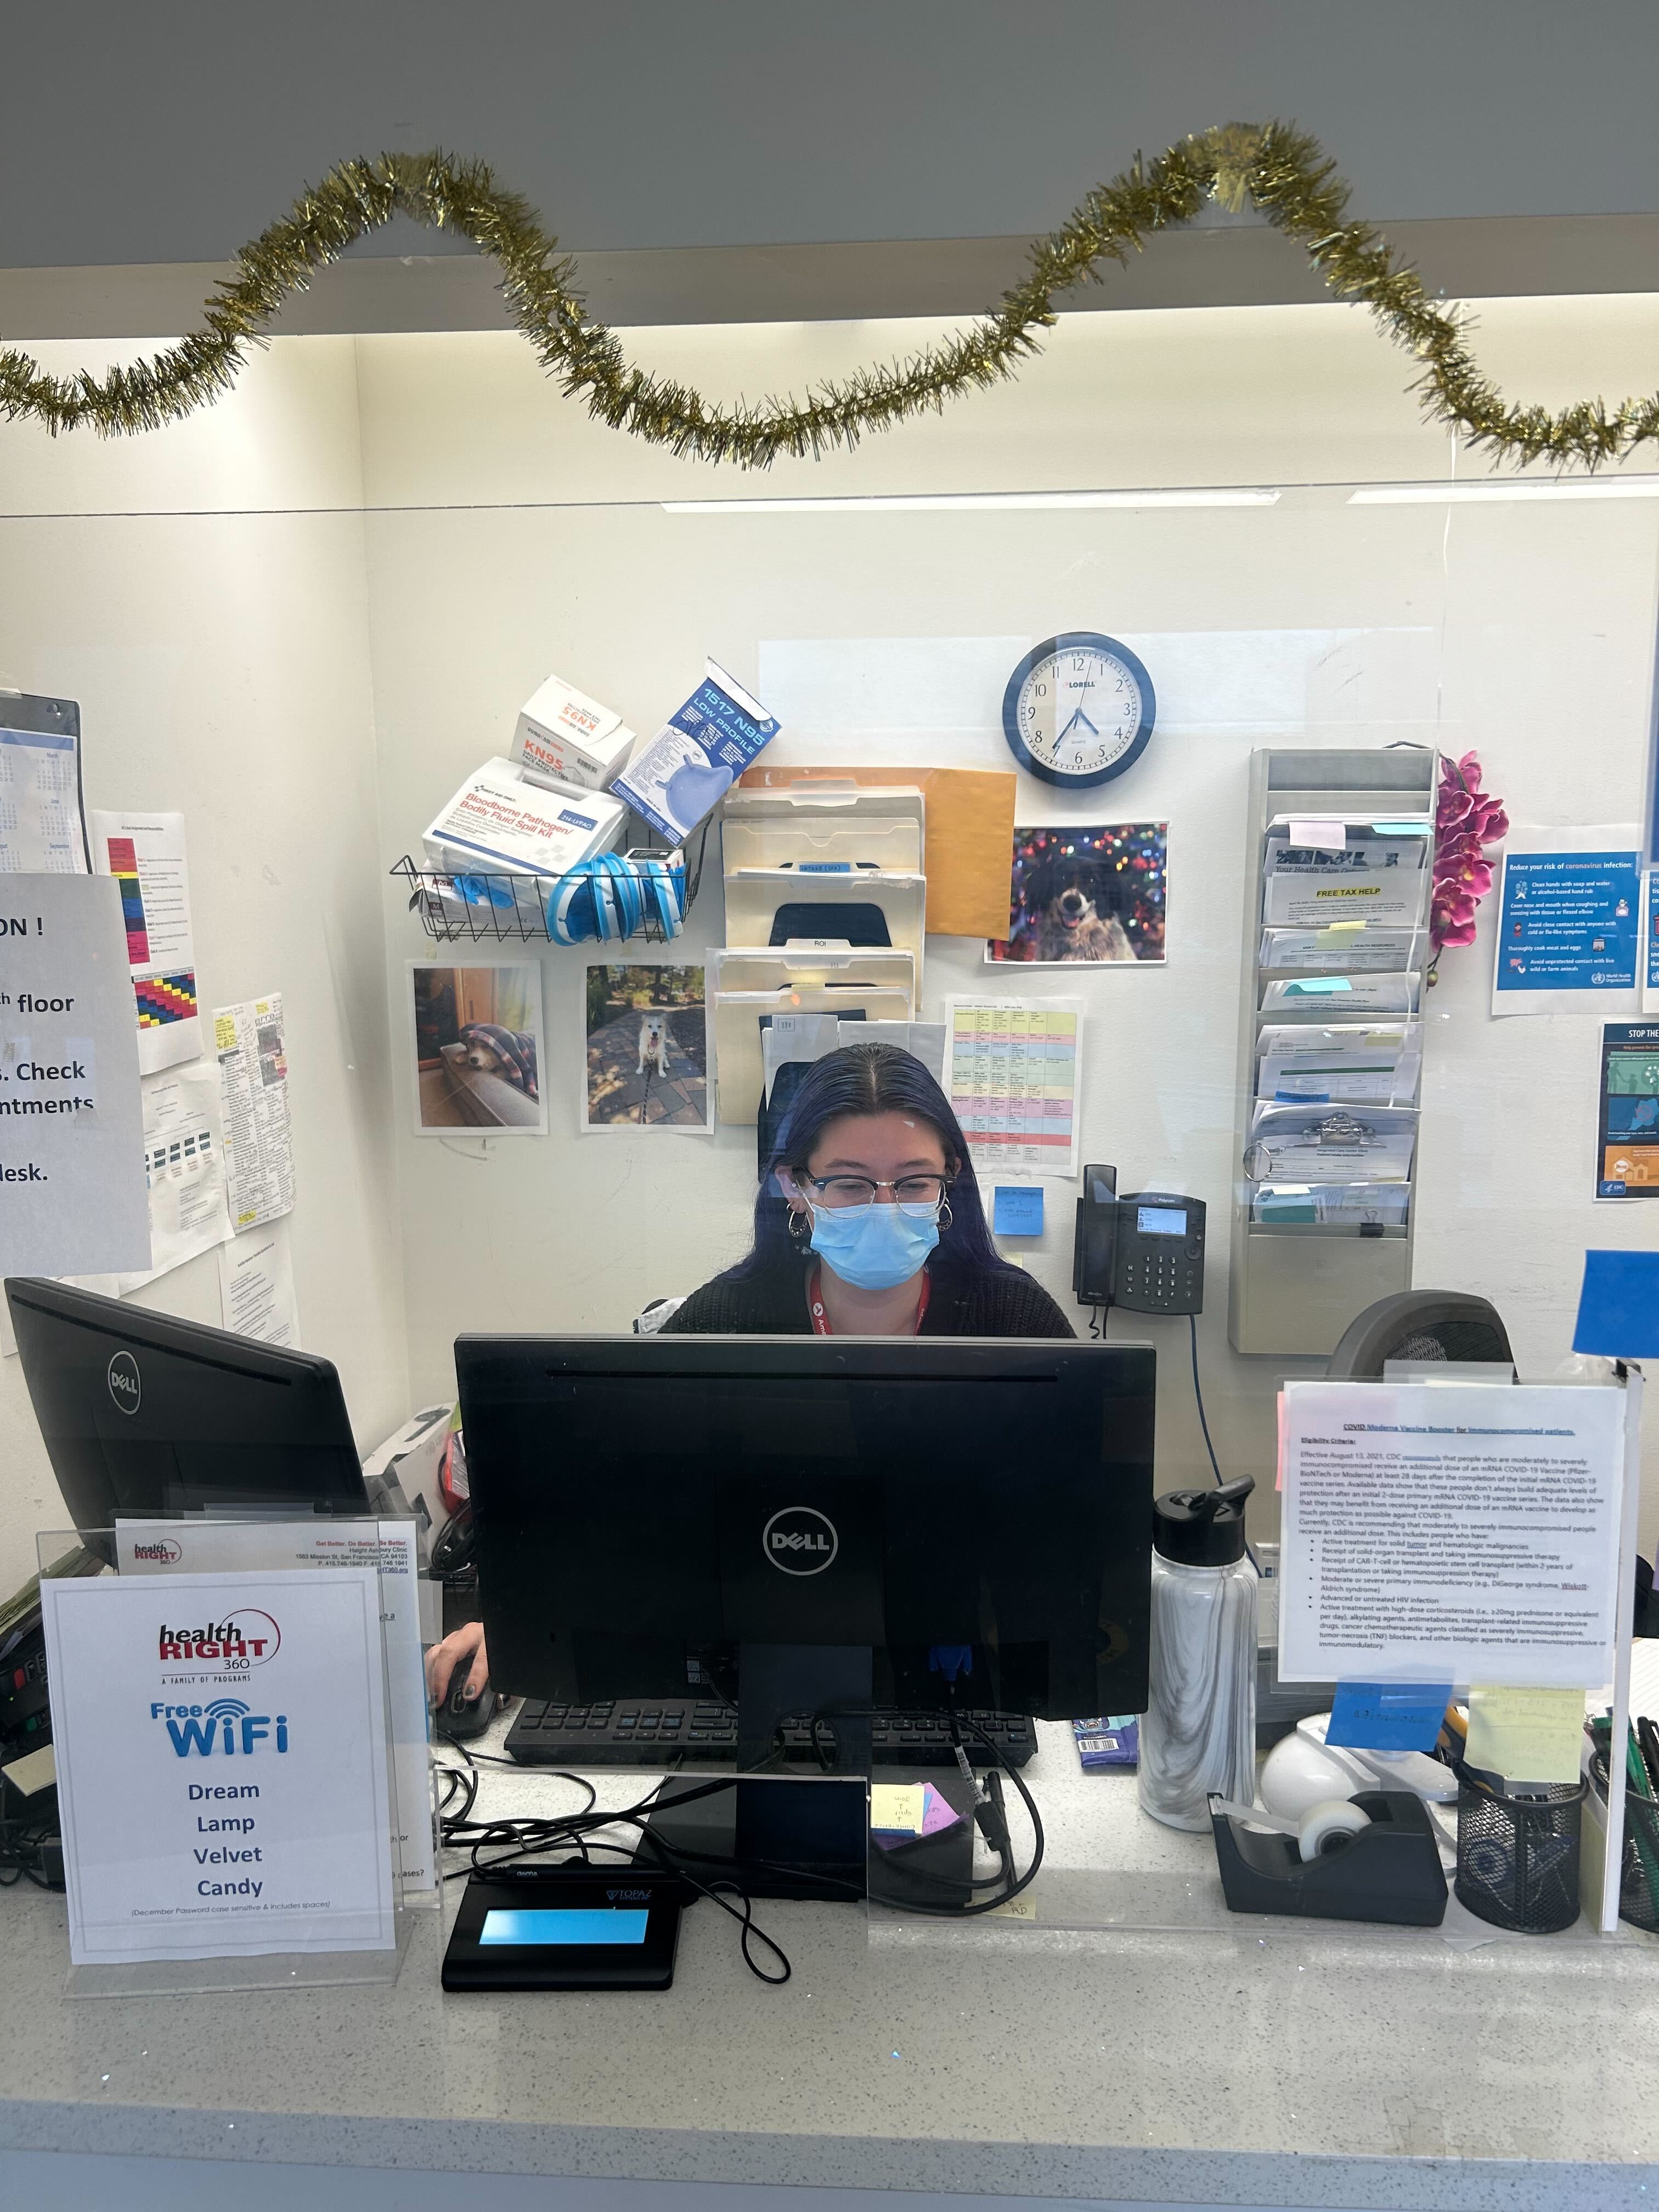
(460, 1717)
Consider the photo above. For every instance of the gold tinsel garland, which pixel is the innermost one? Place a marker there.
(1283, 170)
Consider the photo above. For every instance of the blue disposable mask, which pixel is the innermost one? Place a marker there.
(875, 1248)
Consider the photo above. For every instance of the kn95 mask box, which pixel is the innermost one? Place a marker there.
(564, 737)
(497, 820)
(696, 756)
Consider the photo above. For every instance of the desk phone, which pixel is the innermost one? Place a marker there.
(1144, 1251)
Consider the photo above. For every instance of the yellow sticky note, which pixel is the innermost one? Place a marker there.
(896, 1809)
(1526, 1735)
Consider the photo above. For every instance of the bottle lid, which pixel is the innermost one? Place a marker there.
(1202, 1528)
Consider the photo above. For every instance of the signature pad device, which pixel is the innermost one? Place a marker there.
(566, 1928)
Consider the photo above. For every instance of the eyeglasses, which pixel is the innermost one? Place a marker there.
(920, 1196)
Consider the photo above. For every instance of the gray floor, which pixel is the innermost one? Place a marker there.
(46, 2182)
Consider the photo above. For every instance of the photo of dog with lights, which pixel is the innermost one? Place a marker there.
(478, 1048)
(1084, 895)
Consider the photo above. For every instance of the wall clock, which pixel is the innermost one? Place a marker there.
(1079, 709)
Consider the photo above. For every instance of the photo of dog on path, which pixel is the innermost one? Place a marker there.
(648, 1049)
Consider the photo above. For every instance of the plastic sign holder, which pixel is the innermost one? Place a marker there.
(226, 1783)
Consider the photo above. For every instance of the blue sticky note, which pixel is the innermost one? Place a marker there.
(1017, 1210)
(1387, 1715)
(1618, 1306)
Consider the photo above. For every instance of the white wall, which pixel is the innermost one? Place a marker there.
(1527, 632)
(221, 661)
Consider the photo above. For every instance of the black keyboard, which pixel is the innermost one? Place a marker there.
(637, 1732)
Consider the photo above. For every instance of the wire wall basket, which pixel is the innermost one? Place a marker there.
(616, 898)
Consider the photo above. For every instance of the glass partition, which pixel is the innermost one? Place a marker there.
(310, 620)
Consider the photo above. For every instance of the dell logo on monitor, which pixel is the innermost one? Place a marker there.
(798, 1539)
(123, 1386)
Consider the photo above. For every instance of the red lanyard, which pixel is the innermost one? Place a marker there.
(821, 1320)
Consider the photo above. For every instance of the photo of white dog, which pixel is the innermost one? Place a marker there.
(647, 1048)
(653, 1042)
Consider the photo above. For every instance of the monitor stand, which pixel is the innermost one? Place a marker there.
(803, 1835)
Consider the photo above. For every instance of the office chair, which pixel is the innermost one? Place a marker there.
(1419, 1325)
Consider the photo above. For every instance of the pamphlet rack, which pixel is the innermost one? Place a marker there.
(645, 895)
(1312, 1249)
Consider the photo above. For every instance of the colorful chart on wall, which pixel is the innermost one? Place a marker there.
(145, 854)
(1627, 1120)
(1086, 894)
(1013, 1073)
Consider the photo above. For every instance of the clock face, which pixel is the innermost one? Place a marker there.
(1079, 710)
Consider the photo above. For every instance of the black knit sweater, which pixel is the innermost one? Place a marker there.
(960, 1301)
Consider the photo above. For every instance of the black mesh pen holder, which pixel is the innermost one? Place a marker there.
(1517, 1857)
(1638, 1864)
(1638, 1869)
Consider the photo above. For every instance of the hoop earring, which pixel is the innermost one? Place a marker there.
(800, 1227)
(945, 1216)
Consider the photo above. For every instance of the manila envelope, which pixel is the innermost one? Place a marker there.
(968, 837)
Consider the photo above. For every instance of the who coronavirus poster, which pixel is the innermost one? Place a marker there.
(223, 1777)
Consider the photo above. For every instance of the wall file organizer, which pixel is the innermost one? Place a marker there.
(1335, 947)
(747, 985)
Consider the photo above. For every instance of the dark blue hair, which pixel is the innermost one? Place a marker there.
(864, 1079)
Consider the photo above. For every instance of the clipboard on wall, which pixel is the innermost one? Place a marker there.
(43, 782)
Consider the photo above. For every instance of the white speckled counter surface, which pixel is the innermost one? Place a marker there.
(1239, 2062)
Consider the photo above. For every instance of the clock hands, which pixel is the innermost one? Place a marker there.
(1078, 715)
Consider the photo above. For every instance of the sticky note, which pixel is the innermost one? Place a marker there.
(1387, 1715)
(1317, 987)
(937, 1812)
(1321, 835)
(1618, 1307)
(1017, 1210)
(1526, 1735)
(898, 1809)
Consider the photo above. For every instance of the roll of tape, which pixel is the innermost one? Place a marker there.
(1328, 1825)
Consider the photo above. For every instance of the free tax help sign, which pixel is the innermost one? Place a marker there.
(221, 1762)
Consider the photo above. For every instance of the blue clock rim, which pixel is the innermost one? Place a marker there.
(1066, 640)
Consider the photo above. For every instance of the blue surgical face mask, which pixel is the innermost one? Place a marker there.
(875, 1249)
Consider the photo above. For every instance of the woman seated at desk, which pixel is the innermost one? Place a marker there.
(882, 1234)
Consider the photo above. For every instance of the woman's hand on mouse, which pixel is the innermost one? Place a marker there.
(463, 1648)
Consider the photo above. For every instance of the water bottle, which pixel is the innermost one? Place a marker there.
(1199, 1731)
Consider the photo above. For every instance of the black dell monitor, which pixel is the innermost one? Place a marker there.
(146, 1416)
(975, 1515)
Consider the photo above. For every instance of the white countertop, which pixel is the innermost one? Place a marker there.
(1189, 2055)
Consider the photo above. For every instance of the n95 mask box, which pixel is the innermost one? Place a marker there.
(696, 756)
(497, 820)
(564, 737)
